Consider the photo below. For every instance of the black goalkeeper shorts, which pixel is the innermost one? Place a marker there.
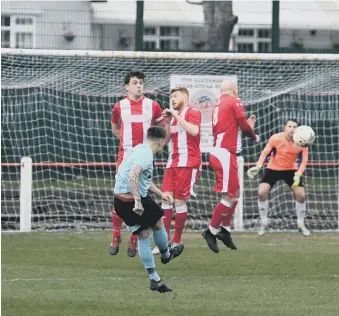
(273, 176)
(137, 223)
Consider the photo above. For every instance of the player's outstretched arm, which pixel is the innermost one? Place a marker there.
(239, 114)
(153, 188)
(158, 117)
(302, 167)
(165, 197)
(252, 172)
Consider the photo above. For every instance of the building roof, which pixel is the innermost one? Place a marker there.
(293, 14)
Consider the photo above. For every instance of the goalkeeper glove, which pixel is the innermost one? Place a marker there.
(296, 180)
(252, 172)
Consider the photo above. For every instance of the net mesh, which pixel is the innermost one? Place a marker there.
(58, 108)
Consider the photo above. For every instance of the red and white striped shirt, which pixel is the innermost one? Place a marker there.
(134, 119)
(228, 117)
(185, 147)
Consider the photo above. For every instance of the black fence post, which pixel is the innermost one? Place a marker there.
(275, 26)
(139, 26)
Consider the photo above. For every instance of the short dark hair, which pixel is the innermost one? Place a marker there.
(292, 120)
(156, 133)
(131, 74)
(181, 89)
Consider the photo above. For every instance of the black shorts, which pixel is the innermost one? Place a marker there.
(151, 215)
(272, 176)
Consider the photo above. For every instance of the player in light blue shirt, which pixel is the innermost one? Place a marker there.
(141, 155)
(138, 210)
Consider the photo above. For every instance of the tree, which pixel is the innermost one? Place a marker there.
(219, 22)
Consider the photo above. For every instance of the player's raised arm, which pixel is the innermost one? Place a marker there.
(191, 127)
(242, 122)
(268, 148)
(158, 116)
(251, 121)
(252, 172)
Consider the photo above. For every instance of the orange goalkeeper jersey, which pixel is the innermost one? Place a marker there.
(283, 154)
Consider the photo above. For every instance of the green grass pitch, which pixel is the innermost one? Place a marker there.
(72, 273)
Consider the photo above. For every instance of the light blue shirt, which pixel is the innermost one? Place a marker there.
(141, 155)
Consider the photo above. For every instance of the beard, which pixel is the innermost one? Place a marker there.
(178, 106)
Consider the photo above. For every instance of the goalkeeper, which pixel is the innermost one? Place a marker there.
(283, 153)
(138, 210)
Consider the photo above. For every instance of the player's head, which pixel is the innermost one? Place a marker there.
(134, 84)
(156, 136)
(229, 87)
(290, 126)
(179, 97)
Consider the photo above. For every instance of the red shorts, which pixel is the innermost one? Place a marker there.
(180, 181)
(225, 167)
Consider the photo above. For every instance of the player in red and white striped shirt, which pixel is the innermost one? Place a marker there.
(131, 118)
(183, 124)
(227, 118)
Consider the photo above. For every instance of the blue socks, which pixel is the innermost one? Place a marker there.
(145, 253)
(161, 240)
(153, 275)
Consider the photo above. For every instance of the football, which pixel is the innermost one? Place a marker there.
(303, 136)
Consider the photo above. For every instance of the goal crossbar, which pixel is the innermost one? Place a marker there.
(168, 55)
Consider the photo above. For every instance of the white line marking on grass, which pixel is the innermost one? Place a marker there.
(62, 279)
(275, 244)
(238, 277)
(42, 249)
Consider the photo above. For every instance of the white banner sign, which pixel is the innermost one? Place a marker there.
(204, 94)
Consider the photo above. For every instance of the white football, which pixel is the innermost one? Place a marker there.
(303, 136)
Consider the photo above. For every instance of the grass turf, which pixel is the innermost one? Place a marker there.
(71, 273)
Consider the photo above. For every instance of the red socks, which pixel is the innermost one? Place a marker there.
(116, 224)
(219, 213)
(168, 213)
(227, 221)
(180, 222)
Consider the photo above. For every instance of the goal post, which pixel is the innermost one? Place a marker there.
(238, 220)
(56, 109)
(26, 195)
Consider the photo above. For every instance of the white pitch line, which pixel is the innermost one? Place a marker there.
(237, 277)
(60, 279)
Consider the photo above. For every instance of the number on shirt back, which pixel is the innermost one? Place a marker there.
(215, 116)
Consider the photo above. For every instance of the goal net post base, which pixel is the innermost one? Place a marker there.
(26, 195)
